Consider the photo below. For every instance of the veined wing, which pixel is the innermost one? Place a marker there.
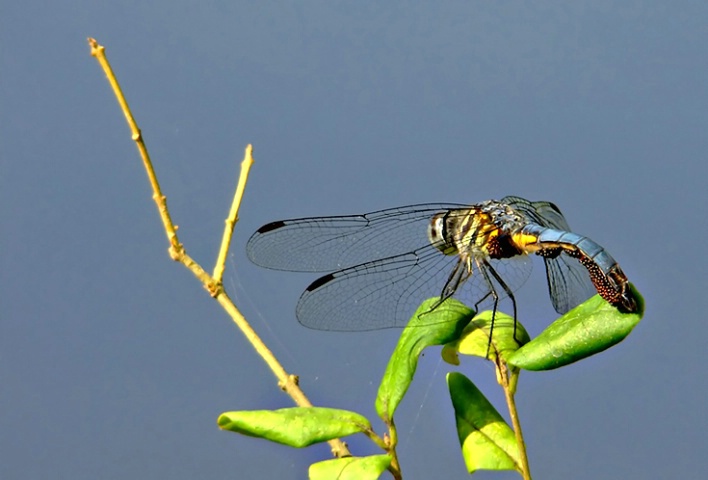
(384, 293)
(321, 244)
(568, 281)
(543, 213)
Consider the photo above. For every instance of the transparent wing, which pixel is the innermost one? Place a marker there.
(385, 293)
(568, 281)
(383, 263)
(322, 244)
(543, 213)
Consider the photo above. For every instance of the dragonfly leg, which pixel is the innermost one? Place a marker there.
(476, 305)
(458, 276)
(493, 292)
(487, 269)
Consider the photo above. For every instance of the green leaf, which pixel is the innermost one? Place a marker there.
(426, 328)
(474, 339)
(296, 427)
(350, 468)
(589, 328)
(488, 443)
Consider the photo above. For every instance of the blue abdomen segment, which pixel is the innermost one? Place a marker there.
(606, 275)
(575, 244)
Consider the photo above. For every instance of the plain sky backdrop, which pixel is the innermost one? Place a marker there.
(115, 363)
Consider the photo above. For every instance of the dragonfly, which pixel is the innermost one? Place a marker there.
(379, 266)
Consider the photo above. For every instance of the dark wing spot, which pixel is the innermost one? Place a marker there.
(555, 207)
(271, 226)
(319, 282)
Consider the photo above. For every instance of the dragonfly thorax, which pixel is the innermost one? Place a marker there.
(439, 234)
(488, 229)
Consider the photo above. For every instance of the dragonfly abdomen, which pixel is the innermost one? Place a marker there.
(605, 273)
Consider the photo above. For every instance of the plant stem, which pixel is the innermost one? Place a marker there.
(395, 467)
(509, 386)
(213, 285)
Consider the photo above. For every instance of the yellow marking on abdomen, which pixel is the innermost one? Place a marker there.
(524, 240)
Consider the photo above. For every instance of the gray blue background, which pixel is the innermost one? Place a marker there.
(115, 363)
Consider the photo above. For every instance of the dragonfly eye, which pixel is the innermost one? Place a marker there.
(439, 236)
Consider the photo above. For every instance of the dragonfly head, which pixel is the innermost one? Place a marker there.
(439, 235)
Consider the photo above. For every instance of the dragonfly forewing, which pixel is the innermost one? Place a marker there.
(325, 244)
